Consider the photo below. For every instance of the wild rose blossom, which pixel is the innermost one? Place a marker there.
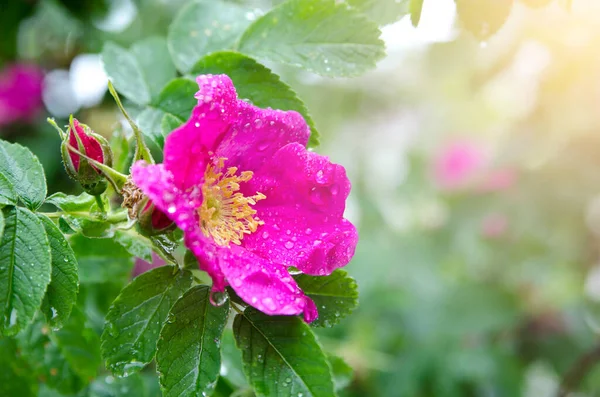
(20, 93)
(251, 199)
(466, 165)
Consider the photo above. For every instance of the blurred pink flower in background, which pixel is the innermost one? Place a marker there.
(494, 225)
(20, 93)
(457, 165)
(141, 266)
(462, 165)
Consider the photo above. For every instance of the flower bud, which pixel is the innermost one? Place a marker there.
(152, 221)
(80, 138)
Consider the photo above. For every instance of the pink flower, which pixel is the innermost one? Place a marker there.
(465, 165)
(494, 226)
(457, 165)
(251, 199)
(20, 93)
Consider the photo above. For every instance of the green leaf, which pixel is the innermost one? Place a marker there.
(136, 244)
(188, 357)
(416, 7)
(149, 121)
(382, 11)
(61, 294)
(231, 367)
(24, 269)
(169, 123)
(281, 356)
(96, 228)
(69, 203)
(335, 295)
(65, 359)
(108, 386)
(140, 72)
(1, 225)
(257, 83)
(16, 378)
(101, 260)
(8, 195)
(321, 36)
(342, 372)
(483, 18)
(203, 27)
(177, 98)
(135, 318)
(24, 172)
(79, 345)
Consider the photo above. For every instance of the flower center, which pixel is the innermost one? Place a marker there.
(226, 215)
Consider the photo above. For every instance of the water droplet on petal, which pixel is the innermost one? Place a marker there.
(265, 235)
(289, 245)
(320, 177)
(269, 303)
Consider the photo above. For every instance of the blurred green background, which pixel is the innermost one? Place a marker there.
(476, 188)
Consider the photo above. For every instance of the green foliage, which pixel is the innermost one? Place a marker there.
(67, 358)
(136, 244)
(281, 356)
(16, 378)
(135, 318)
(101, 260)
(318, 35)
(8, 195)
(68, 203)
(24, 268)
(416, 6)
(174, 104)
(342, 372)
(188, 357)
(62, 290)
(335, 295)
(24, 172)
(382, 11)
(483, 18)
(256, 83)
(203, 27)
(140, 72)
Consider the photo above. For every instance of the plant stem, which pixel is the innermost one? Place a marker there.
(578, 371)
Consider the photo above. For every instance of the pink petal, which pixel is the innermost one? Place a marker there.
(187, 148)
(206, 253)
(257, 134)
(265, 285)
(303, 212)
(156, 182)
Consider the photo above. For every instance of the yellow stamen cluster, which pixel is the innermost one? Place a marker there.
(225, 215)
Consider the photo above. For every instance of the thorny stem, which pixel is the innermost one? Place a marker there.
(578, 371)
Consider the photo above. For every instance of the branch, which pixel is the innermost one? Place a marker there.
(578, 371)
